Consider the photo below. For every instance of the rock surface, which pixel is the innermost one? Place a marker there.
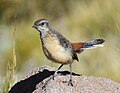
(35, 80)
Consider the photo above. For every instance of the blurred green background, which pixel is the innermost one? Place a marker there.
(78, 20)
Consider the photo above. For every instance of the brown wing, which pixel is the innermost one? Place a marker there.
(78, 47)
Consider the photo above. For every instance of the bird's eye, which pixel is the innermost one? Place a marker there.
(42, 24)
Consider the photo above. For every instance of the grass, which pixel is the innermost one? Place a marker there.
(10, 77)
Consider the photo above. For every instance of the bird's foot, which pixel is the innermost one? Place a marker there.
(51, 77)
(70, 83)
(46, 82)
(54, 75)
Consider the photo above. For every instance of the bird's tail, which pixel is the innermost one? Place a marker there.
(79, 47)
(93, 43)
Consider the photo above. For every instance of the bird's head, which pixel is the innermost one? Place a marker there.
(41, 25)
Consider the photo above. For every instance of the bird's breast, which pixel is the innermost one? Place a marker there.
(55, 51)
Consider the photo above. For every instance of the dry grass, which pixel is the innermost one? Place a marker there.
(10, 77)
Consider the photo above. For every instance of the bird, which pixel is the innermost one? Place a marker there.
(58, 48)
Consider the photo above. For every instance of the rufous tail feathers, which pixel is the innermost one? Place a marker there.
(80, 46)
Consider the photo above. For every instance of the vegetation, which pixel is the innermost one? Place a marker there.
(78, 20)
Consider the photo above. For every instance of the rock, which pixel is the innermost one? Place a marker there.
(35, 80)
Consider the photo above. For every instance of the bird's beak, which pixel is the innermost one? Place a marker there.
(33, 26)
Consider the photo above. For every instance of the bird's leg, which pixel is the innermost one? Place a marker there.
(70, 80)
(57, 71)
(52, 77)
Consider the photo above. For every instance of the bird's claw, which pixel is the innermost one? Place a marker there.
(70, 83)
